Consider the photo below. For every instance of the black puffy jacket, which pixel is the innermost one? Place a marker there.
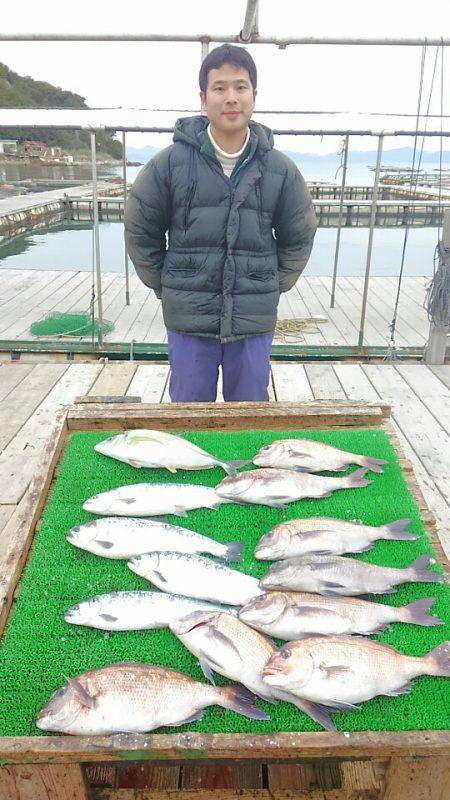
(233, 244)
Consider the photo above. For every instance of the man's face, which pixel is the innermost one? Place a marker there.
(229, 99)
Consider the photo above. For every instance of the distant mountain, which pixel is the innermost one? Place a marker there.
(17, 91)
(399, 157)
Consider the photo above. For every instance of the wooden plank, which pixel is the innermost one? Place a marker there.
(443, 373)
(184, 746)
(25, 398)
(227, 416)
(306, 776)
(324, 382)
(6, 511)
(18, 533)
(430, 391)
(350, 302)
(362, 779)
(290, 382)
(20, 459)
(346, 322)
(17, 314)
(424, 433)
(312, 292)
(423, 779)
(410, 329)
(11, 375)
(100, 775)
(42, 782)
(148, 776)
(43, 304)
(355, 383)
(114, 379)
(217, 794)
(216, 775)
(149, 381)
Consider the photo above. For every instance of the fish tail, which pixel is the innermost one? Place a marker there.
(240, 700)
(416, 613)
(397, 530)
(438, 661)
(373, 464)
(233, 551)
(418, 571)
(355, 480)
(233, 465)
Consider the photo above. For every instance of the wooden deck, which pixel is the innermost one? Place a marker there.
(31, 394)
(29, 295)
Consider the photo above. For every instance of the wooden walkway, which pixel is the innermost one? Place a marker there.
(29, 295)
(31, 394)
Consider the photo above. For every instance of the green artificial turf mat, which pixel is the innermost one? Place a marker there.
(40, 648)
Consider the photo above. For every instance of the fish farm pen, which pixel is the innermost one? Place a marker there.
(357, 362)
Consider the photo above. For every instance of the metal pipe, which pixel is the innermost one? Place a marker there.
(341, 211)
(369, 246)
(97, 241)
(249, 26)
(126, 263)
(281, 42)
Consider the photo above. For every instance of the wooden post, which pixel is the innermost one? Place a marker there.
(437, 338)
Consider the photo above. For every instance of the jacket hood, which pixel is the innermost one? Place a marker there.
(190, 130)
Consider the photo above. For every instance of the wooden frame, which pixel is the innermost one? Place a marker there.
(399, 751)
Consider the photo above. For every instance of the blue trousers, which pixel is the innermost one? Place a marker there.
(195, 360)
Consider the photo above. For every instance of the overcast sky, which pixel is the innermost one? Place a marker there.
(160, 75)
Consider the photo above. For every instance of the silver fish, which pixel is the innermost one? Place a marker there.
(148, 448)
(293, 615)
(135, 698)
(150, 499)
(136, 610)
(337, 575)
(225, 645)
(334, 673)
(326, 536)
(310, 456)
(124, 537)
(277, 487)
(195, 576)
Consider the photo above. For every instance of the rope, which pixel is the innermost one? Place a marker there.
(391, 351)
(286, 329)
(92, 303)
(437, 298)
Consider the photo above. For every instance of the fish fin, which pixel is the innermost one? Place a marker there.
(396, 530)
(363, 549)
(333, 669)
(234, 551)
(83, 695)
(333, 585)
(310, 611)
(134, 463)
(338, 705)
(240, 700)
(222, 637)
(233, 465)
(127, 500)
(192, 718)
(179, 511)
(207, 671)
(330, 589)
(302, 469)
(356, 479)
(373, 464)
(311, 534)
(317, 712)
(105, 544)
(160, 576)
(401, 690)
(108, 617)
(418, 571)
(277, 501)
(173, 471)
(416, 612)
(439, 660)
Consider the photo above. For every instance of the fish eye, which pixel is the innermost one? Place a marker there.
(266, 447)
(286, 653)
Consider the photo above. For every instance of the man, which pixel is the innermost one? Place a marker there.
(240, 230)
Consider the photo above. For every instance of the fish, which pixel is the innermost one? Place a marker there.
(277, 487)
(129, 697)
(337, 575)
(196, 576)
(310, 456)
(158, 449)
(136, 610)
(326, 536)
(124, 537)
(151, 499)
(294, 615)
(337, 672)
(225, 645)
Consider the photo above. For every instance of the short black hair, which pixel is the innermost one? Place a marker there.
(227, 54)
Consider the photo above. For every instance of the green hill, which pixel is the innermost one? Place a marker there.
(17, 91)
